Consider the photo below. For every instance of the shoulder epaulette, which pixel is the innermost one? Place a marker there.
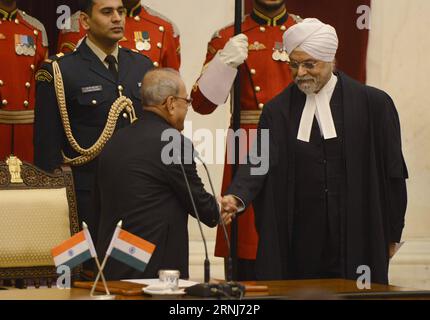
(37, 25)
(217, 34)
(154, 13)
(44, 75)
(296, 18)
(74, 23)
(53, 58)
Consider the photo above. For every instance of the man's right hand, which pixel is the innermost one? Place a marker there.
(229, 207)
(235, 51)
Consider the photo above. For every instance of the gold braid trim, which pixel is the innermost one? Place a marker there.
(86, 155)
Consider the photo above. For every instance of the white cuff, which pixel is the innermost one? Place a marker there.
(216, 81)
(242, 207)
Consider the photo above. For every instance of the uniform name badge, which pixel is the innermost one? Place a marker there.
(24, 45)
(143, 42)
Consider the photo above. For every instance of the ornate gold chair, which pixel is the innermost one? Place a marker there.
(37, 212)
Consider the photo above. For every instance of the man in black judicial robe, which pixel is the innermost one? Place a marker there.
(337, 201)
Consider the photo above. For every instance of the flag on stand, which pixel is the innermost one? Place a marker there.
(130, 249)
(75, 250)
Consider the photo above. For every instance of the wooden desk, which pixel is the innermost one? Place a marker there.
(300, 289)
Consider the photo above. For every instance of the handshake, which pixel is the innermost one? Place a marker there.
(229, 206)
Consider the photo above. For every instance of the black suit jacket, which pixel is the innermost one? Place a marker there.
(149, 196)
(90, 90)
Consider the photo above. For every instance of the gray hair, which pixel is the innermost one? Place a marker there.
(158, 84)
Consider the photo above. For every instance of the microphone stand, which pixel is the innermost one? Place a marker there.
(201, 289)
(229, 288)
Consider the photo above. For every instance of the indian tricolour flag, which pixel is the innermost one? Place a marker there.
(130, 249)
(75, 250)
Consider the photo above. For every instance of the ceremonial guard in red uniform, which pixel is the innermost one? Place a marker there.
(23, 47)
(146, 31)
(263, 63)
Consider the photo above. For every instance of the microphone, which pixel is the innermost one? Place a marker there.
(230, 288)
(201, 289)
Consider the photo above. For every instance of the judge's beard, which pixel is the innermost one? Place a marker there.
(307, 84)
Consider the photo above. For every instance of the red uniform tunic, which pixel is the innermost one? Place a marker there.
(23, 47)
(145, 31)
(263, 76)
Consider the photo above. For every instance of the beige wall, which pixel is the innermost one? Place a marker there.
(398, 63)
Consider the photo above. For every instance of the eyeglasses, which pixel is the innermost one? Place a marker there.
(189, 101)
(308, 65)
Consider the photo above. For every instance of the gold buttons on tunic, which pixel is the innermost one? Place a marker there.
(262, 29)
(137, 18)
(161, 28)
(253, 71)
(16, 21)
(283, 28)
(36, 32)
(156, 64)
(4, 102)
(257, 89)
(1, 83)
(27, 85)
(260, 106)
(159, 45)
(32, 66)
(26, 103)
(94, 102)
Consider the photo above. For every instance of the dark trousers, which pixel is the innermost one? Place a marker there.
(245, 270)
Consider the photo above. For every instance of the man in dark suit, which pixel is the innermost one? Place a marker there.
(84, 96)
(141, 185)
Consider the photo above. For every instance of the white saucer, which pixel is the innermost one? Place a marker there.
(163, 292)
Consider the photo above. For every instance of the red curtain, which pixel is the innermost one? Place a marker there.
(341, 14)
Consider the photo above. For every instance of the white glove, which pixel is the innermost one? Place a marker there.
(235, 51)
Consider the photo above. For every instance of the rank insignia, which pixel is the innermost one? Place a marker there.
(256, 46)
(142, 40)
(43, 75)
(24, 45)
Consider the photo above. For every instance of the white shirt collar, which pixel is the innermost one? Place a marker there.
(318, 105)
(100, 53)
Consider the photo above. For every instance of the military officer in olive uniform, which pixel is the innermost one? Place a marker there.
(84, 96)
(146, 30)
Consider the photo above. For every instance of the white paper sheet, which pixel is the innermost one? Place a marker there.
(150, 282)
